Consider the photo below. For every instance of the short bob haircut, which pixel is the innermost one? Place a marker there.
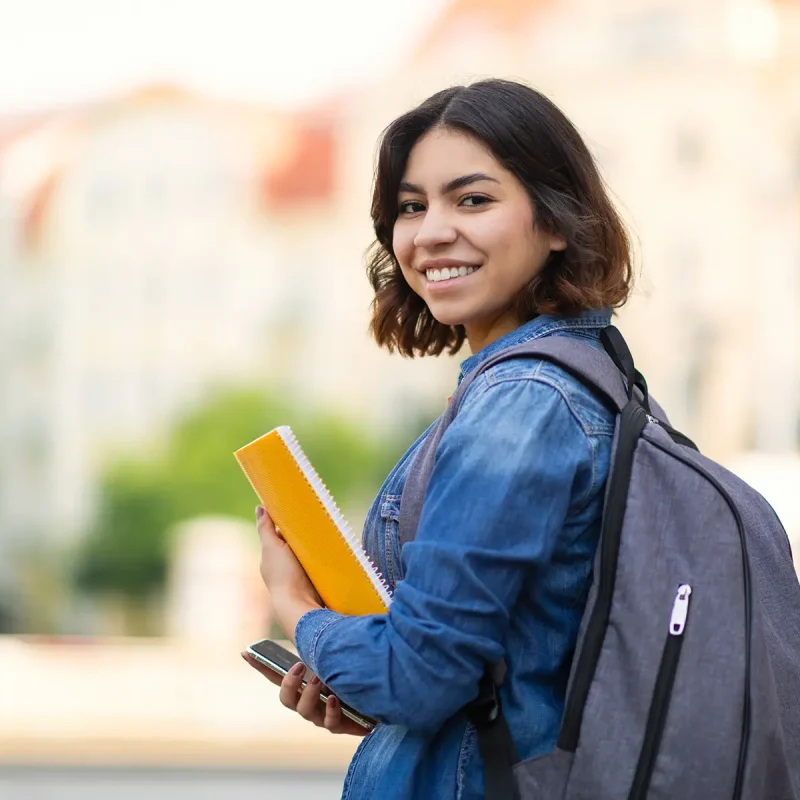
(535, 141)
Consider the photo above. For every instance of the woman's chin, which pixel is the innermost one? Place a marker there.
(451, 313)
(454, 317)
(447, 319)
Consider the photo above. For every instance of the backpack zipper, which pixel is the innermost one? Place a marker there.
(676, 436)
(632, 421)
(748, 614)
(662, 694)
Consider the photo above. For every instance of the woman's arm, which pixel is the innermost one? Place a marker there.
(497, 500)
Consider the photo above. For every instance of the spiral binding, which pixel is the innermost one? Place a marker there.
(334, 513)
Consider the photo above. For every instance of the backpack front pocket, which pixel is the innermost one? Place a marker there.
(662, 694)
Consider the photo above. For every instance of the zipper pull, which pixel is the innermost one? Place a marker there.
(680, 610)
(652, 419)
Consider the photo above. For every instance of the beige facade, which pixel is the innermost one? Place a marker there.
(137, 273)
(693, 113)
(157, 245)
(176, 242)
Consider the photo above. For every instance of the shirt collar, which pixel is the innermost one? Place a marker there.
(538, 327)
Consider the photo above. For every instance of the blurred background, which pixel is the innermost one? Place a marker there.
(184, 210)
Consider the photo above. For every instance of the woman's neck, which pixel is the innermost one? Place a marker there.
(481, 334)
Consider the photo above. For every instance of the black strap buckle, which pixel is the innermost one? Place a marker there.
(485, 708)
(495, 743)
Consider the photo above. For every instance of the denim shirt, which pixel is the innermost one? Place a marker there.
(500, 568)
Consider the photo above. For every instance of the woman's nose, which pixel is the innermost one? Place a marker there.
(435, 229)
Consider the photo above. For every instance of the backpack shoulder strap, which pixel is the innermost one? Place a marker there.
(592, 367)
(602, 376)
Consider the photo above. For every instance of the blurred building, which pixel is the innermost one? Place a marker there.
(132, 248)
(693, 112)
(154, 245)
(159, 242)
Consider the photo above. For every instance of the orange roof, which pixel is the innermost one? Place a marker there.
(38, 205)
(307, 174)
(12, 129)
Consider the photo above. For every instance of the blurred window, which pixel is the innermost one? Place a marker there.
(689, 148)
(207, 284)
(156, 193)
(653, 34)
(153, 288)
(698, 359)
(214, 189)
(105, 199)
(35, 341)
(796, 161)
(300, 297)
(34, 448)
(101, 394)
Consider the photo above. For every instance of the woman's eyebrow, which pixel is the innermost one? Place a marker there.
(450, 186)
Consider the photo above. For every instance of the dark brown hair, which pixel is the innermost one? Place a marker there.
(533, 139)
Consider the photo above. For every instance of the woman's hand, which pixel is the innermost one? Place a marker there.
(292, 595)
(306, 701)
(291, 592)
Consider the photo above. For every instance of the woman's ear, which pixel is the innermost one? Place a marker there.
(557, 243)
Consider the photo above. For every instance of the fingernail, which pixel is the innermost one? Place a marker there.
(298, 669)
(334, 702)
(315, 680)
(259, 512)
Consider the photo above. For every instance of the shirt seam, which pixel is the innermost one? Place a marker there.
(389, 524)
(579, 503)
(586, 428)
(348, 779)
(464, 756)
(593, 487)
(312, 649)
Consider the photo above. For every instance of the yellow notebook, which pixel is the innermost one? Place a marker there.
(303, 509)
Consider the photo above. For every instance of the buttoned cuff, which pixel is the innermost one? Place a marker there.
(307, 632)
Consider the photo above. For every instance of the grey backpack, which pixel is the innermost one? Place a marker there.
(685, 683)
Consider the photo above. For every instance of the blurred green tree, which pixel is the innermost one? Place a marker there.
(126, 551)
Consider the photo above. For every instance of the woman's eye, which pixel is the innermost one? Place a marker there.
(474, 200)
(411, 207)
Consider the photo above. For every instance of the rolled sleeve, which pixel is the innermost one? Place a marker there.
(497, 500)
(307, 633)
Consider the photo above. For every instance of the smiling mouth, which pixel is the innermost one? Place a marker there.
(448, 273)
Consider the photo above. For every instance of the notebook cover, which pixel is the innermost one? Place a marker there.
(312, 525)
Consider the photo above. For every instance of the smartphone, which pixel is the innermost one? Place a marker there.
(281, 660)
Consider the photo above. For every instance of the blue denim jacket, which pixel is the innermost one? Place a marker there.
(500, 568)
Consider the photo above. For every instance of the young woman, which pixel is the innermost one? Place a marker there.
(493, 226)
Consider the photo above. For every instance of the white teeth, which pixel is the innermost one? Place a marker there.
(448, 273)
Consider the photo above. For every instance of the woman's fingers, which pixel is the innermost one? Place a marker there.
(333, 715)
(309, 706)
(337, 722)
(306, 700)
(292, 685)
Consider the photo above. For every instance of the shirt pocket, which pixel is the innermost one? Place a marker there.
(390, 523)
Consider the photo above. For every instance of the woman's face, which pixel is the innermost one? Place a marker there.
(465, 237)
